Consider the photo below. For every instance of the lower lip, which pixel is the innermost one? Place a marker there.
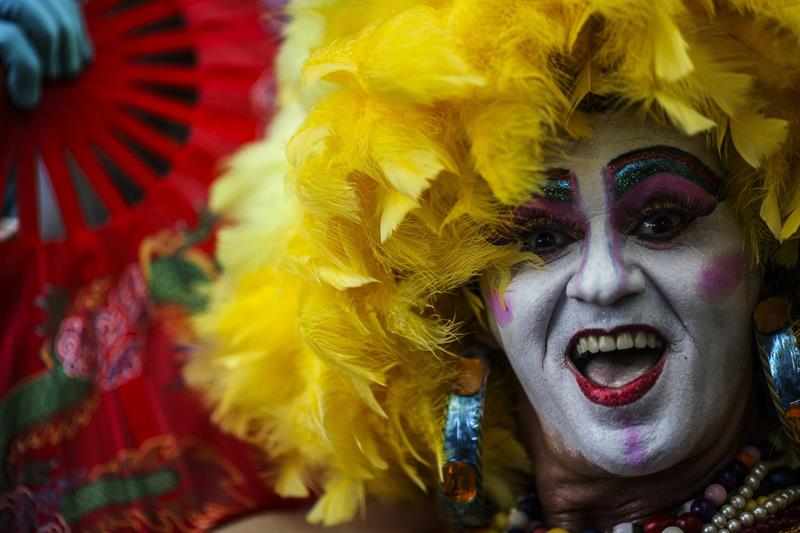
(618, 396)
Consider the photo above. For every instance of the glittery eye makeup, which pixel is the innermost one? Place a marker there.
(631, 168)
(550, 222)
(658, 191)
(558, 186)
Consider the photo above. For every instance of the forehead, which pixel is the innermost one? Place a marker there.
(614, 134)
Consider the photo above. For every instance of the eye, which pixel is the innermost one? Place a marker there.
(661, 226)
(546, 242)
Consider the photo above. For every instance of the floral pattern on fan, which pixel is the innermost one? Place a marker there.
(103, 341)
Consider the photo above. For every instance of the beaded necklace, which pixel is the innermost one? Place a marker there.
(748, 496)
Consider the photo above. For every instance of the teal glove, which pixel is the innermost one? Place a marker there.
(40, 37)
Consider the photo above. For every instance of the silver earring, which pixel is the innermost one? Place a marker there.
(462, 501)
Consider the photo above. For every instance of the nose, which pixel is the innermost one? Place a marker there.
(603, 277)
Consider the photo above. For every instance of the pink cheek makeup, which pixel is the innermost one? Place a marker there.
(721, 277)
(501, 309)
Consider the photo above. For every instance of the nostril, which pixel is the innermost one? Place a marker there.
(605, 286)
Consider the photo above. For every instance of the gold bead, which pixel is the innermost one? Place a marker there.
(460, 481)
(471, 376)
(772, 314)
(500, 521)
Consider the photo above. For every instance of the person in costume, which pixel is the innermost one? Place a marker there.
(521, 256)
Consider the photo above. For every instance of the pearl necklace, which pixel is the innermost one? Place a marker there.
(721, 509)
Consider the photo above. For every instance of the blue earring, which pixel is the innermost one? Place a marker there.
(780, 355)
(462, 501)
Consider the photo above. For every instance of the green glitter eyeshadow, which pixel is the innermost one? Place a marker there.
(627, 174)
(558, 189)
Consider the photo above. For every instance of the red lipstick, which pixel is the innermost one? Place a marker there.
(617, 396)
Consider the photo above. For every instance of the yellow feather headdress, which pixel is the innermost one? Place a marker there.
(404, 130)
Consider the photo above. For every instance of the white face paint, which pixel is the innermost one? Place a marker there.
(644, 249)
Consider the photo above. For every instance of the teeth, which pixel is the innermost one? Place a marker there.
(624, 341)
(640, 341)
(651, 340)
(591, 341)
(583, 346)
(607, 344)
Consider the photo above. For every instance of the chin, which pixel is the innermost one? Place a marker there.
(640, 450)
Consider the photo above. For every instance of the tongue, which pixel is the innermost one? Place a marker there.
(616, 368)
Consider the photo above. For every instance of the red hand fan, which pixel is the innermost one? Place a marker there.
(123, 150)
(132, 143)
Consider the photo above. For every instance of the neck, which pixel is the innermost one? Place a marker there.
(577, 496)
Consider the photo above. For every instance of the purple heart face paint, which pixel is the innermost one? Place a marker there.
(632, 341)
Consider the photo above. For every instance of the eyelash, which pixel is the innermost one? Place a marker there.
(539, 223)
(546, 222)
(689, 208)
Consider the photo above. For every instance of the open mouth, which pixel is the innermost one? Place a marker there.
(617, 367)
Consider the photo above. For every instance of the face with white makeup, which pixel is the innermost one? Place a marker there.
(632, 340)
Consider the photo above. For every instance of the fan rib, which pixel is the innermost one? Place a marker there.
(141, 15)
(165, 75)
(163, 42)
(97, 177)
(151, 139)
(156, 105)
(128, 163)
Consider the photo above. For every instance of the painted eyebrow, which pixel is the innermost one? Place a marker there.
(558, 185)
(630, 168)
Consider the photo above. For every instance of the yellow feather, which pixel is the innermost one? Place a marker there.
(670, 49)
(409, 56)
(757, 137)
(411, 173)
(339, 503)
(290, 481)
(791, 225)
(394, 208)
(771, 213)
(684, 116)
(506, 155)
